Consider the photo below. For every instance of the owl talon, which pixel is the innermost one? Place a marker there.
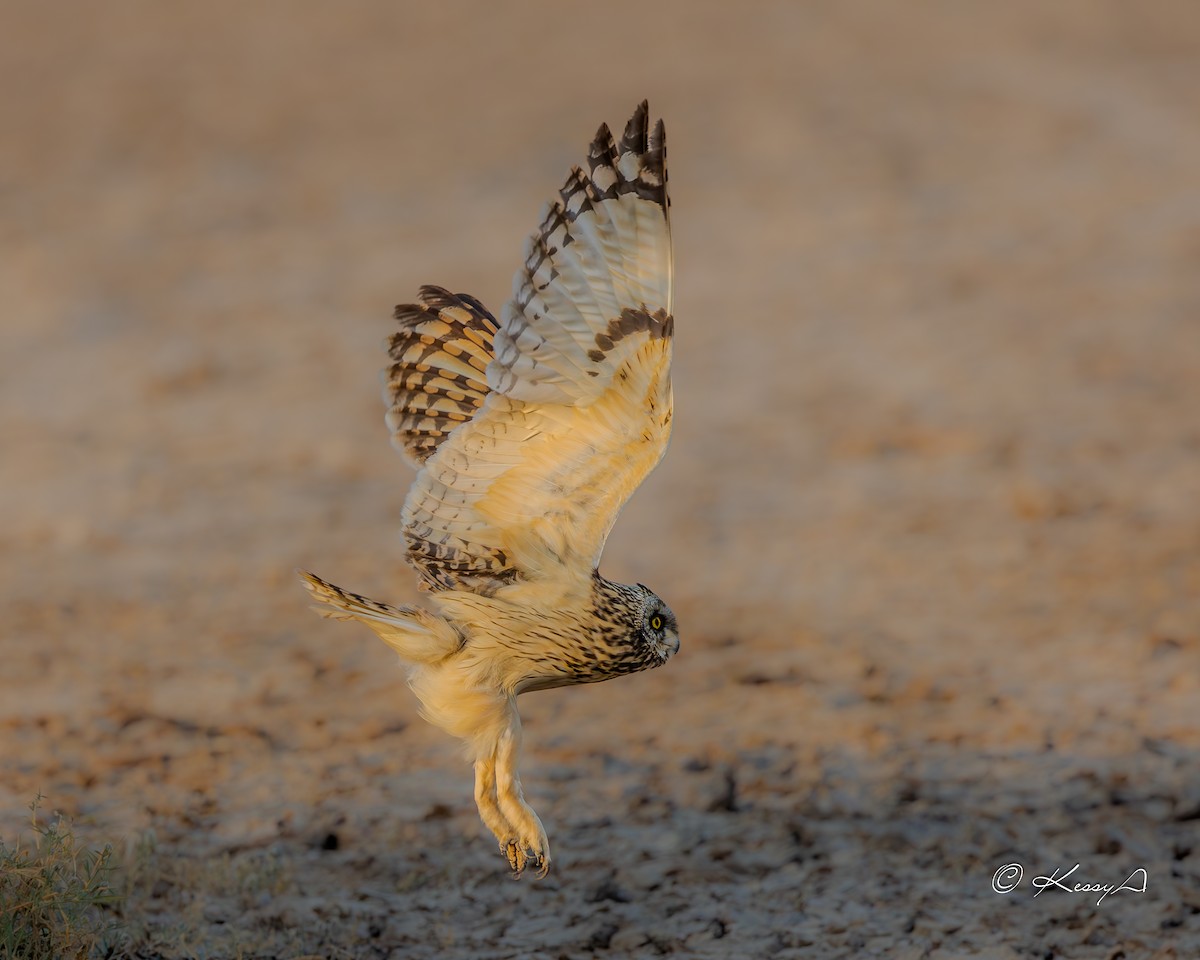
(519, 857)
(516, 857)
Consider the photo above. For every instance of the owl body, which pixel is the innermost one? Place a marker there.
(510, 646)
(529, 434)
(517, 641)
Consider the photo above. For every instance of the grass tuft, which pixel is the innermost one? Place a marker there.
(53, 895)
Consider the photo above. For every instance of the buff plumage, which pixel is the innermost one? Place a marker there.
(529, 434)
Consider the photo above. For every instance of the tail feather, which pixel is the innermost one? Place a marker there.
(417, 635)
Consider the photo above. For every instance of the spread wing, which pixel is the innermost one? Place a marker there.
(532, 433)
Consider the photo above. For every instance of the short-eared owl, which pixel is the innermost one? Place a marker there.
(529, 434)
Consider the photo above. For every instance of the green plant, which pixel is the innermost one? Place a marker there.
(52, 895)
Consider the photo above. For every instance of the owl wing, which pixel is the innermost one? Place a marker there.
(531, 433)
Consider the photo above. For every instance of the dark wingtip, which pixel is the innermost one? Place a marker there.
(433, 295)
(658, 136)
(656, 155)
(433, 299)
(602, 152)
(603, 149)
(426, 296)
(429, 297)
(634, 139)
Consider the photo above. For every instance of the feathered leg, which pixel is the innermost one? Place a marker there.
(453, 698)
(488, 721)
(529, 843)
(489, 810)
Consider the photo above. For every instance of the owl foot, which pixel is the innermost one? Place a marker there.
(520, 855)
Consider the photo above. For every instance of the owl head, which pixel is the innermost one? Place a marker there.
(657, 629)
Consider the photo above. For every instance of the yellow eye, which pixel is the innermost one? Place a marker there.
(656, 622)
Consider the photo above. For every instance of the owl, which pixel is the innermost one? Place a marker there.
(528, 434)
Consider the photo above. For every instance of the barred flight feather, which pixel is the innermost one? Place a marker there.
(438, 379)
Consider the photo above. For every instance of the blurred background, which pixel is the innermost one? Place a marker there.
(930, 504)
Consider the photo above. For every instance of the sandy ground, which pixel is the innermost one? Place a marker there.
(929, 519)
